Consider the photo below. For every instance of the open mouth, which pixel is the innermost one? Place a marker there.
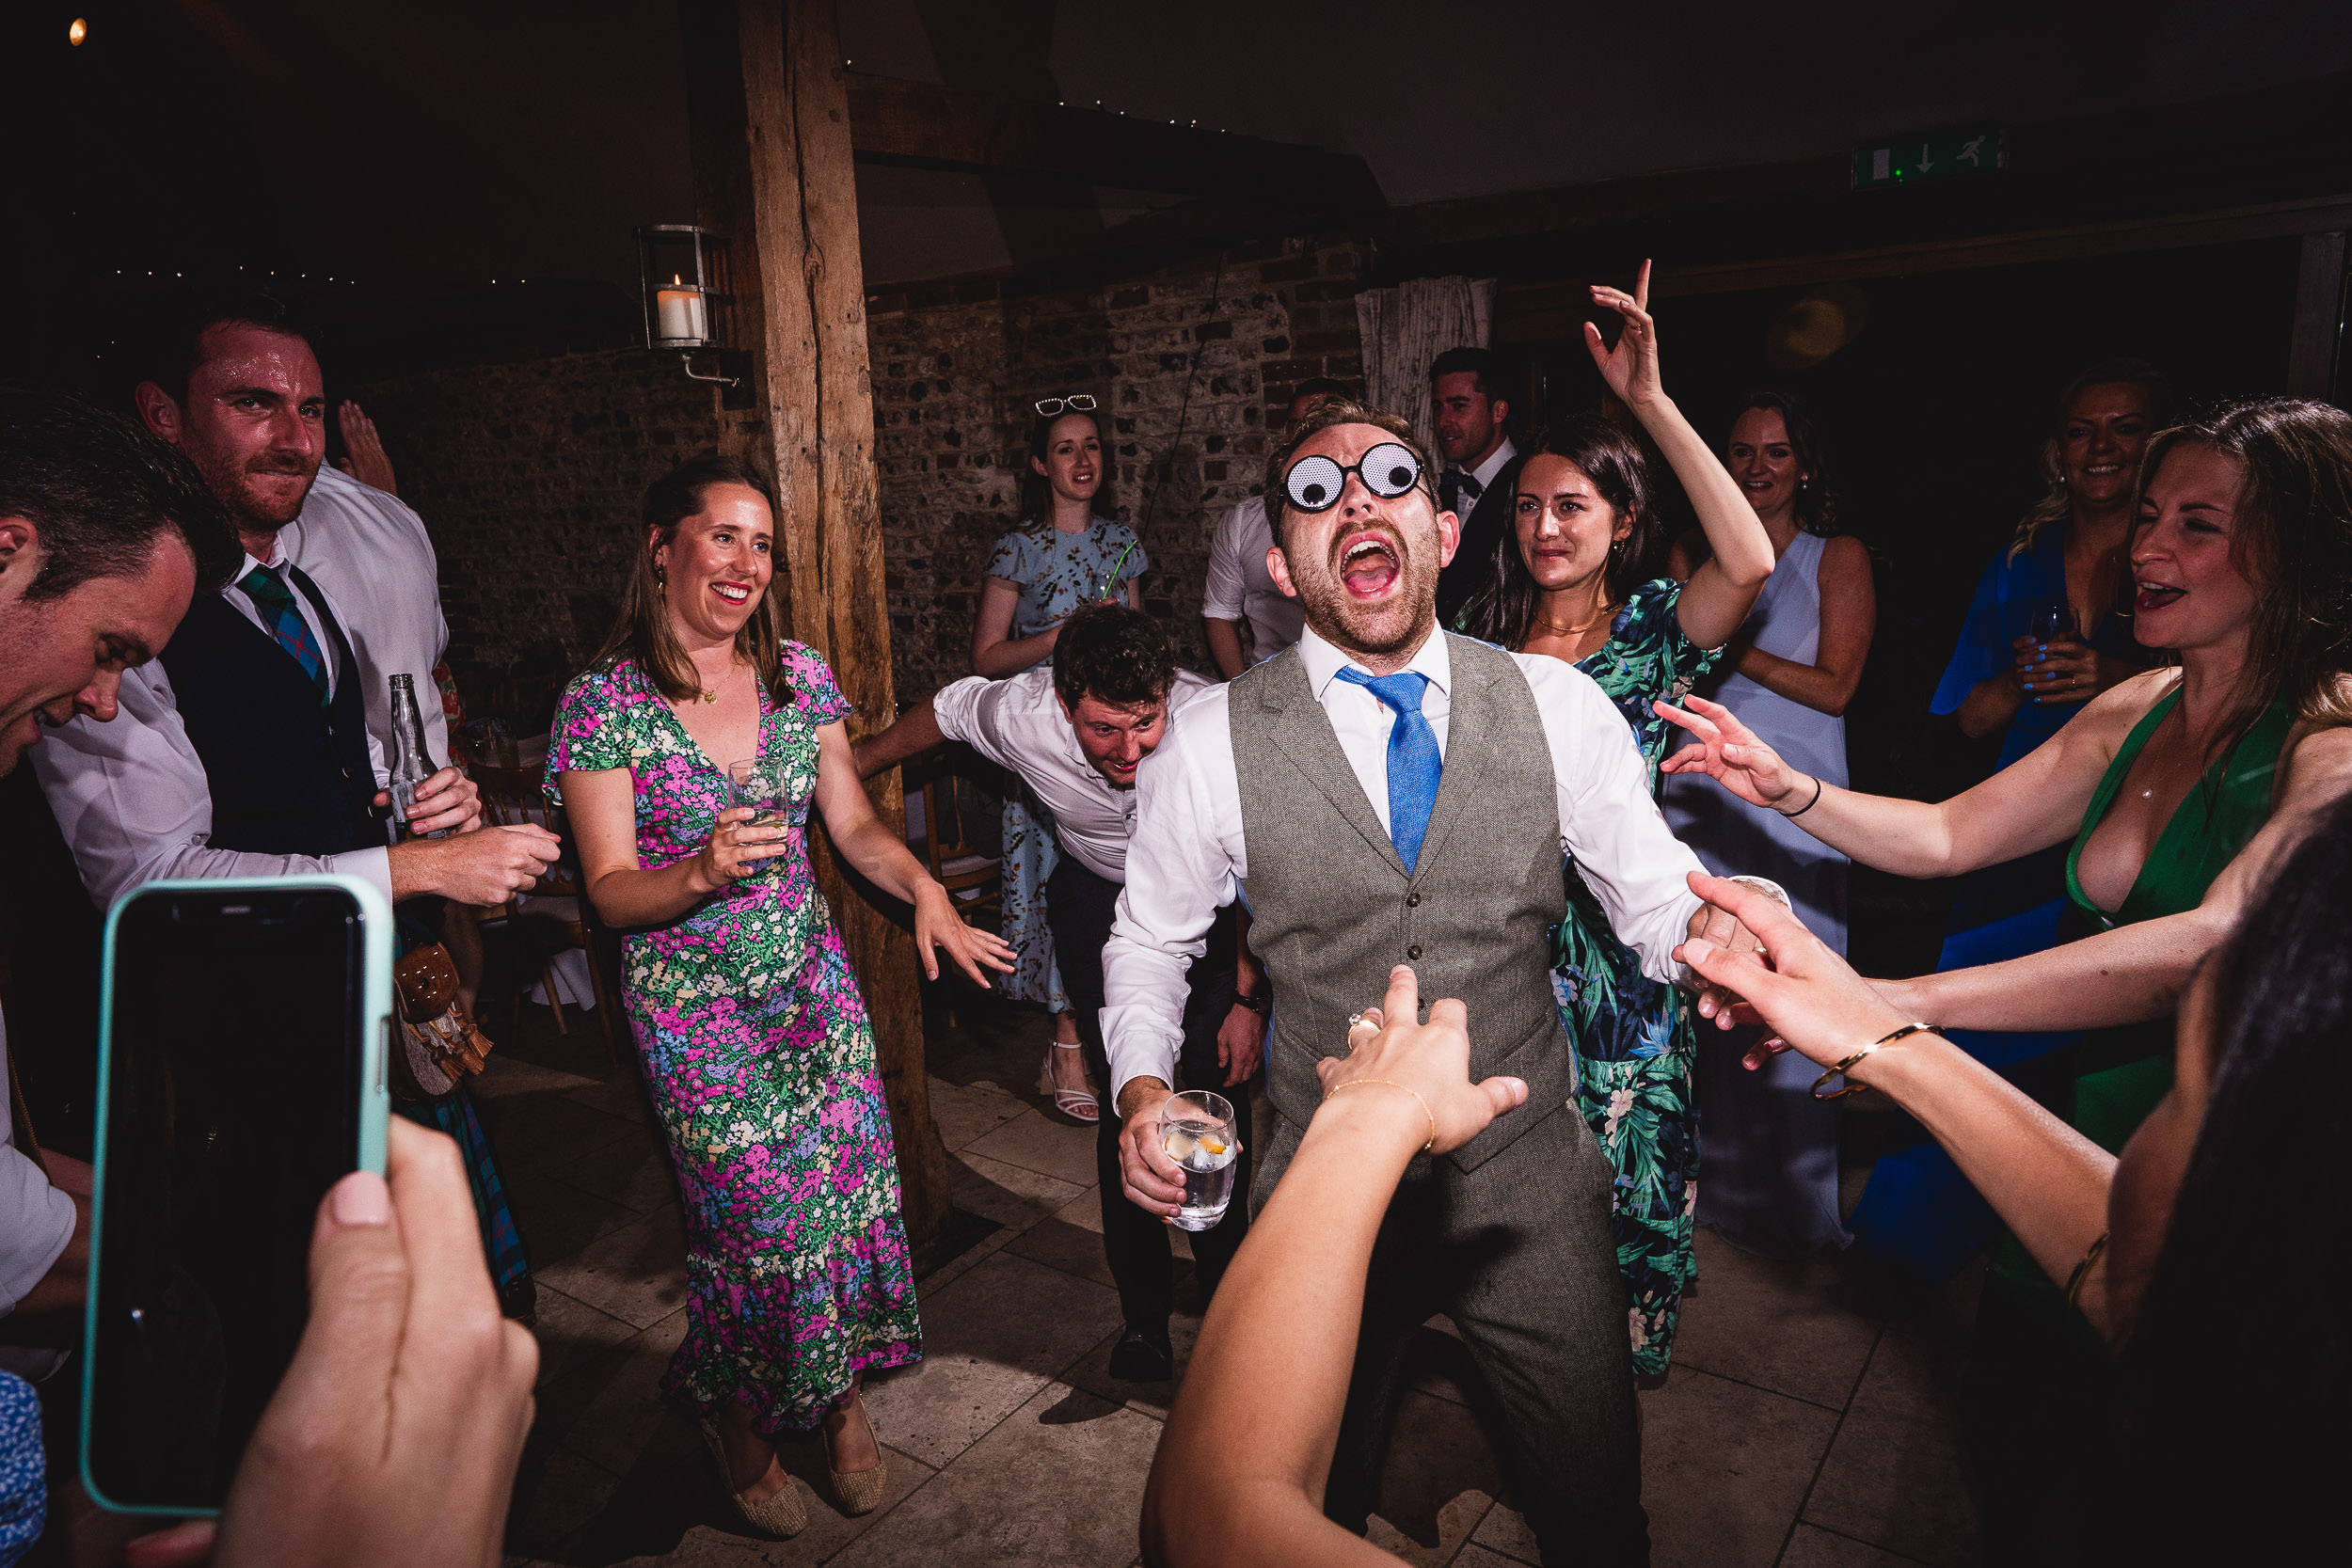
(2154, 596)
(734, 593)
(1370, 566)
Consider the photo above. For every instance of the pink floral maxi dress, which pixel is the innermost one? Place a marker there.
(761, 1064)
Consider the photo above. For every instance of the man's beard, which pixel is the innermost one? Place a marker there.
(1397, 624)
(251, 509)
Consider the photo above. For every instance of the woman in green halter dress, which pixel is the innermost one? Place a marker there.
(2179, 788)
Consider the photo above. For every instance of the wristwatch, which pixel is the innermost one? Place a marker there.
(1261, 1002)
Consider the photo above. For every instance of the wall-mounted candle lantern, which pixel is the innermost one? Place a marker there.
(682, 275)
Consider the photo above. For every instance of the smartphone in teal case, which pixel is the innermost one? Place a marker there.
(242, 1033)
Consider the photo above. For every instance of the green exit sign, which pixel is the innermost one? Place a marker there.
(1907, 160)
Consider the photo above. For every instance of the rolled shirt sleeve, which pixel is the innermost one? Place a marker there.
(970, 709)
(1225, 594)
(134, 804)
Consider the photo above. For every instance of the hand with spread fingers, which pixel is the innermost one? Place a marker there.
(1730, 753)
(1430, 1062)
(940, 928)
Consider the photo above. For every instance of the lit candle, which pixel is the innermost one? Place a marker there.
(679, 309)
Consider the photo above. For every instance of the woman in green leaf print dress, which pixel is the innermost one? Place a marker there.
(1571, 579)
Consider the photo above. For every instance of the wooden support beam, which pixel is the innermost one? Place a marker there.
(922, 125)
(2314, 347)
(773, 171)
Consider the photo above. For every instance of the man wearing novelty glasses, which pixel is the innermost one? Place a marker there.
(1382, 794)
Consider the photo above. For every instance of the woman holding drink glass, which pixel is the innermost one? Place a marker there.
(747, 1018)
(2049, 629)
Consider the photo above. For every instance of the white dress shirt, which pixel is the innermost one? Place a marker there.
(35, 1219)
(1018, 723)
(1240, 588)
(365, 548)
(131, 795)
(1187, 851)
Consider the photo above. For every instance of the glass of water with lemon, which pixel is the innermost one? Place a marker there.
(1197, 1130)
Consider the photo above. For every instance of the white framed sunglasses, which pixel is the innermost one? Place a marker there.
(1387, 470)
(1078, 403)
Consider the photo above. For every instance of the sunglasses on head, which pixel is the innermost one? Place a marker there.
(1080, 403)
(1387, 470)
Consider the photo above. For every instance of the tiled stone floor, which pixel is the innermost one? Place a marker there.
(1808, 1420)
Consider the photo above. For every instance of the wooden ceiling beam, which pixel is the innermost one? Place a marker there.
(922, 125)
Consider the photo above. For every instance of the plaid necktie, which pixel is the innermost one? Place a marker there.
(283, 619)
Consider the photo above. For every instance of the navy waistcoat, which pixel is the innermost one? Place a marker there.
(288, 777)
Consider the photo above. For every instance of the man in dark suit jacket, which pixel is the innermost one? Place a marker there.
(1481, 467)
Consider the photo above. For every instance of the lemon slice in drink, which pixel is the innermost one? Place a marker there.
(1181, 1145)
(1212, 1145)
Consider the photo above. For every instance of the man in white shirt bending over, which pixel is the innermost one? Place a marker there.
(1080, 732)
(1385, 794)
(1239, 588)
(105, 535)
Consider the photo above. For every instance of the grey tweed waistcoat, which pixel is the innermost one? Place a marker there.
(1333, 908)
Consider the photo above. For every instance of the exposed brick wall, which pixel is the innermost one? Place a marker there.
(1191, 362)
(529, 472)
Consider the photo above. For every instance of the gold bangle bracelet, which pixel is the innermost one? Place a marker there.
(1840, 1070)
(1394, 1085)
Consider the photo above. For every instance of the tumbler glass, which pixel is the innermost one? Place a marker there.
(1197, 1130)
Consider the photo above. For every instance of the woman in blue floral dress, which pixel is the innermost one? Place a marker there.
(746, 1016)
(1570, 581)
(1044, 572)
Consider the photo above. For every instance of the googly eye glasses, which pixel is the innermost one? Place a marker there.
(1081, 403)
(1387, 470)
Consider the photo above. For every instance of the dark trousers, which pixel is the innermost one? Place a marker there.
(1521, 1255)
(1080, 907)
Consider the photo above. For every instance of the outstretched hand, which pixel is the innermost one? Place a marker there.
(1630, 369)
(940, 926)
(1430, 1059)
(367, 462)
(1730, 753)
(1810, 998)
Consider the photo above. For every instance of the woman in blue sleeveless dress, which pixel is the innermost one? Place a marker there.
(1771, 1148)
(1040, 574)
(1572, 578)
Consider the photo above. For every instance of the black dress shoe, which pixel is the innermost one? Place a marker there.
(1142, 1358)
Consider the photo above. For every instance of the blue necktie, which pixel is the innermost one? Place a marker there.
(1414, 764)
(283, 618)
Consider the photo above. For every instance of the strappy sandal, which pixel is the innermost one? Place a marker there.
(856, 1492)
(1077, 1104)
(782, 1515)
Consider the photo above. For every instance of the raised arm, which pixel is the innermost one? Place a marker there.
(1723, 589)
(2137, 972)
(2034, 802)
(1269, 1376)
(1850, 613)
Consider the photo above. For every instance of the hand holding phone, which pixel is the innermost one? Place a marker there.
(407, 1385)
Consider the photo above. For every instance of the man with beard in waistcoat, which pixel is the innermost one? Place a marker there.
(243, 752)
(1381, 792)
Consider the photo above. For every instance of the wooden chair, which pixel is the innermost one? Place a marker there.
(510, 797)
(973, 880)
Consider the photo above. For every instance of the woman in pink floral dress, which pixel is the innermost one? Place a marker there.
(747, 1018)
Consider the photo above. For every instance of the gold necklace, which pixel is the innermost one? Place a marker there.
(1558, 630)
